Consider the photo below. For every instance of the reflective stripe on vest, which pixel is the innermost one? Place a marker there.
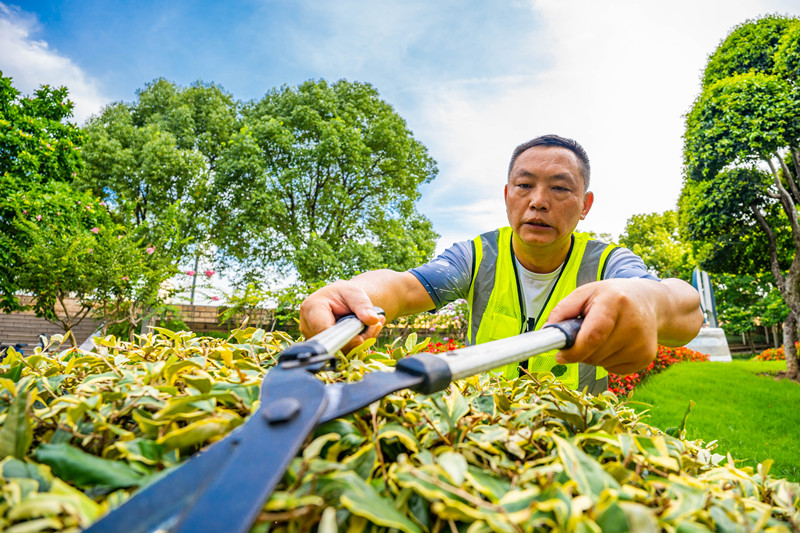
(496, 308)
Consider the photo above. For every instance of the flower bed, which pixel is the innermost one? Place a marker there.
(617, 384)
(773, 354)
(665, 358)
(446, 346)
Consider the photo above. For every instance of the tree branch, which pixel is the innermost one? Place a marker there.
(788, 206)
(795, 160)
(773, 248)
(789, 179)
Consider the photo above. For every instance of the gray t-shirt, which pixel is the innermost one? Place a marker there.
(448, 276)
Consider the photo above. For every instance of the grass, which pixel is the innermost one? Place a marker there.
(752, 417)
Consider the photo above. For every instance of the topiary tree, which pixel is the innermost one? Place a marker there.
(742, 158)
(655, 238)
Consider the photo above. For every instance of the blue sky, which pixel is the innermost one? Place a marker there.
(472, 78)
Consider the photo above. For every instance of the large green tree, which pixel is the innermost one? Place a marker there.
(154, 160)
(38, 145)
(321, 181)
(742, 156)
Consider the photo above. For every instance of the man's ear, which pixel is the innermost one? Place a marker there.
(588, 200)
(505, 192)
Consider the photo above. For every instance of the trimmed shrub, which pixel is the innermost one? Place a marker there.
(484, 455)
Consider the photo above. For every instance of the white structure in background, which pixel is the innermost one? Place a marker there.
(711, 339)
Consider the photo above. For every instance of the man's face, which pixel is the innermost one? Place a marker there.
(545, 197)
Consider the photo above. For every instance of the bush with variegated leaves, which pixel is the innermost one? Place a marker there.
(80, 431)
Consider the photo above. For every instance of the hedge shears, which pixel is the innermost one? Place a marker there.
(225, 486)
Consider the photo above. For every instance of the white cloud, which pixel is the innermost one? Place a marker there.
(31, 63)
(622, 76)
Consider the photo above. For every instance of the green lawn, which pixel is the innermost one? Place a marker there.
(753, 417)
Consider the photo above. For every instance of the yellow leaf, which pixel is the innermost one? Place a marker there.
(195, 434)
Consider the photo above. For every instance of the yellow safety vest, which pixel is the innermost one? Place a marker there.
(496, 306)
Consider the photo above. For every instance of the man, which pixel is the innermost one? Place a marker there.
(535, 272)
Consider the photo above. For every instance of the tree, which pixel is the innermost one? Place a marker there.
(38, 145)
(133, 266)
(745, 302)
(321, 182)
(742, 157)
(655, 238)
(54, 250)
(154, 160)
(69, 246)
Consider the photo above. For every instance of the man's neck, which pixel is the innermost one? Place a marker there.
(541, 259)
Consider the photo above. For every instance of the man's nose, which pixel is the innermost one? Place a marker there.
(539, 199)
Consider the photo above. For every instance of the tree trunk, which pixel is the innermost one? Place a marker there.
(750, 342)
(789, 338)
(775, 343)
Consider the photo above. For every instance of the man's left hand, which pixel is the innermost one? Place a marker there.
(624, 320)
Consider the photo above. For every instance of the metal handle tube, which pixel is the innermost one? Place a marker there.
(333, 338)
(472, 360)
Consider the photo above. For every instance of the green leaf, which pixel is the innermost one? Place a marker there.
(490, 486)
(485, 404)
(85, 470)
(14, 373)
(361, 499)
(396, 431)
(16, 434)
(585, 471)
(613, 520)
(455, 465)
(143, 450)
(13, 468)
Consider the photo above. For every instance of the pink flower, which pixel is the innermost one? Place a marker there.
(95, 230)
(24, 212)
(58, 213)
(90, 250)
(125, 278)
(38, 218)
(79, 202)
(119, 237)
(102, 203)
(150, 250)
(215, 298)
(190, 272)
(210, 273)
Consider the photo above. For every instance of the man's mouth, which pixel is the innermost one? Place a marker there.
(537, 223)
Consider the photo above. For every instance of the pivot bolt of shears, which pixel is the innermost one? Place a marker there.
(281, 411)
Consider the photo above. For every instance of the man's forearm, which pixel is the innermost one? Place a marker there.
(397, 293)
(679, 313)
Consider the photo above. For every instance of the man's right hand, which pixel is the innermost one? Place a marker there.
(397, 293)
(324, 307)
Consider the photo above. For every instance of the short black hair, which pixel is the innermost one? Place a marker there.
(563, 142)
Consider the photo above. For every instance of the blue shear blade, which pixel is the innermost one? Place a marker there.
(345, 398)
(224, 487)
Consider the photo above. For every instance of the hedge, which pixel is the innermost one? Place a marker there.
(81, 431)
